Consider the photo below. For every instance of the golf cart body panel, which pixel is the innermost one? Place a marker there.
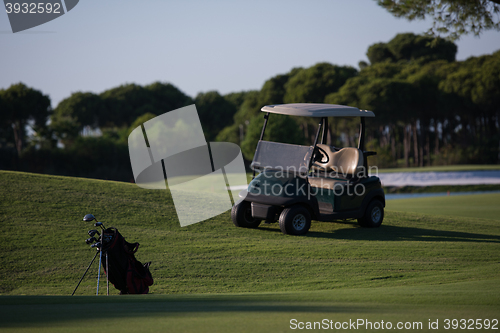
(297, 183)
(345, 195)
(342, 201)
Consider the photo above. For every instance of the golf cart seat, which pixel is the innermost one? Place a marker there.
(336, 167)
(346, 161)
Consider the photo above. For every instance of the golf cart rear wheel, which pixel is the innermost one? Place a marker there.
(374, 215)
(241, 214)
(295, 220)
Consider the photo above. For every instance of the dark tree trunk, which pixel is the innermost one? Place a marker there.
(393, 143)
(436, 143)
(406, 143)
(421, 142)
(415, 144)
(428, 148)
(330, 136)
(16, 128)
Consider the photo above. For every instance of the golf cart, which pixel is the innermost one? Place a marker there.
(297, 184)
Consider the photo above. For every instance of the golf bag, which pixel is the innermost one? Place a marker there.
(124, 271)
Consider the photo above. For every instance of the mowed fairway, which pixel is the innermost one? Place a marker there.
(213, 277)
(484, 206)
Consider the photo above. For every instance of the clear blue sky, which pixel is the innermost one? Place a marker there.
(198, 46)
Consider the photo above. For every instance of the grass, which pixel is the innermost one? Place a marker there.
(214, 277)
(467, 206)
(255, 312)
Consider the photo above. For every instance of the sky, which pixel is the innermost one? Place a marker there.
(198, 46)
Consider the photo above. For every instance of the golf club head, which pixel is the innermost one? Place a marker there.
(98, 244)
(99, 224)
(89, 217)
(90, 240)
(93, 232)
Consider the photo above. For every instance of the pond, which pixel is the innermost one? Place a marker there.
(400, 179)
(395, 196)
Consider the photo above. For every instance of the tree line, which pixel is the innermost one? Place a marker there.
(430, 110)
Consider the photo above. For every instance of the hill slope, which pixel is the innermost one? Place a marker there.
(43, 249)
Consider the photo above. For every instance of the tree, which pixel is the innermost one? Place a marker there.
(407, 101)
(247, 105)
(410, 47)
(124, 104)
(273, 91)
(21, 107)
(475, 86)
(379, 52)
(74, 113)
(140, 121)
(311, 85)
(280, 128)
(236, 98)
(249, 108)
(127, 102)
(451, 18)
(165, 97)
(215, 113)
(232, 133)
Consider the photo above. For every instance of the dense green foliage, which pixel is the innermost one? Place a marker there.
(215, 113)
(411, 47)
(430, 110)
(451, 18)
(280, 128)
(20, 107)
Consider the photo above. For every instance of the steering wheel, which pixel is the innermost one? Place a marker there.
(320, 155)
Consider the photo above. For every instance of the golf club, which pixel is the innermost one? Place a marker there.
(90, 240)
(119, 260)
(98, 245)
(99, 224)
(89, 217)
(99, 271)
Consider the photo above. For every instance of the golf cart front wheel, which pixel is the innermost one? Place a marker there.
(374, 215)
(241, 214)
(295, 220)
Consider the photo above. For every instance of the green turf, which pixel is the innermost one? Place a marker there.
(255, 312)
(471, 206)
(415, 265)
(44, 249)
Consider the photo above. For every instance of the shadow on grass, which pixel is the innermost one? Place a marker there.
(393, 233)
(29, 311)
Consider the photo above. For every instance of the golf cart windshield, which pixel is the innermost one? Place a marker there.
(282, 157)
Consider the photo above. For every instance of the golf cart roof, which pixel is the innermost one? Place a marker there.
(317, 110)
